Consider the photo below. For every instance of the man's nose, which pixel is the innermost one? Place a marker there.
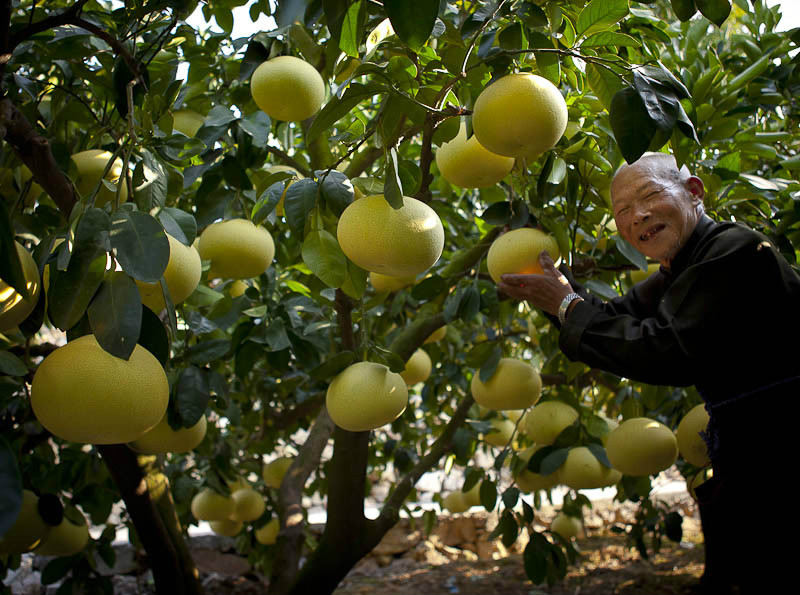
(641, 214)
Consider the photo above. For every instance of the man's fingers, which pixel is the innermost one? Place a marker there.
(545, 260)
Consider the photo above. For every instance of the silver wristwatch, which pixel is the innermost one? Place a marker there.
(562, 309)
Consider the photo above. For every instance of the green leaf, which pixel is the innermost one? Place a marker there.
(337, 190)
(535, 558)
(333, 365)
(322, 254)
(338, 108)
(191, 395)
(10, 487)
(488, 494)
(684, 9)
(257, 125)
(300, 199)
(150, 180)
(631, 253)
(72, 290)
(716, 11)
(153, 336)
(412, 21)
(179, 224)
(604, 82)
(547, 63)
(610, 38)
(491, 362)
(11, 365)
(10, 266)
(115, 314)
(599, 15)
(392, 186)
(661, 101)
(140, 245)
(630, 121)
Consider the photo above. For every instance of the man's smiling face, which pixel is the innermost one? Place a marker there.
(656, 207)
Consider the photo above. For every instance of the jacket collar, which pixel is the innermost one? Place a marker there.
(681, 259)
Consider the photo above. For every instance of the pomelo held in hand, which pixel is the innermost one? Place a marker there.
(365, 396)
(517, 252)
(519, 115)
(641, 446)
(515, 384)
(14, 308)
(82, 393)
(237, 249)
(287, 89)
(396, 242)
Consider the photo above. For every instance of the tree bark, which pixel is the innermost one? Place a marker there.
(173, 569)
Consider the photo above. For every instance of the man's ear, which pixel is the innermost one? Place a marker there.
(696, 189)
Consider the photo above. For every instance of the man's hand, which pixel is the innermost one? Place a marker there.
(545, 291)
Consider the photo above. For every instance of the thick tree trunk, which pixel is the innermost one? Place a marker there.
(154, 518)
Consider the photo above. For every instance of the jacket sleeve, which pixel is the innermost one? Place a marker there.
(666, 343)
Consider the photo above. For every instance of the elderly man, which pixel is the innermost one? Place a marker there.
(722, 314)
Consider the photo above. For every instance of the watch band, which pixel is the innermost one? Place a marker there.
(562, 309)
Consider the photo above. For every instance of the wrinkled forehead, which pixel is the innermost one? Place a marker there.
(636, 177)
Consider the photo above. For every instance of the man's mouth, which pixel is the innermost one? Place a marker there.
(650, 232)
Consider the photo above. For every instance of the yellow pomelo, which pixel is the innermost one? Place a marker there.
(501, 432)
(396, 242)
(14, 308)
(237, 249)
(91, 164)
(226, 527)
(641, 446)
(28, 531)
(437, 335)
(582, 471)
(65, 539)
(691, 446)
(248, 505)
(517, 251)
(237, 288)
(82, 393)
(547, 420)
(187, 121)
(566, 526)
(639, 275)
(466, 163)
(163, 438)
(612, 424)
(697, 480)
(287, 89)
(472, 497)
(208, 505)
(268, 534)
(365, 396)
(530, 482)
(454, 502)
(519, 115)
(514, 414)
(182, 276)
(418, 368)
(383, 283)
(515, 384)
(274, 471)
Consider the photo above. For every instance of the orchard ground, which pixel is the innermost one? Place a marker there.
(456, 556)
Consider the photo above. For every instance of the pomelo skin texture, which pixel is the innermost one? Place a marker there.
(182, 276)
(515, 384)
(691, 446)
(82, 393)
(208, 505)
(466, 163)
(519, 115)
(641, 446)
(517, 252)
(287, 89)
(162, 438)
(396, 242)
(547, 420)
(237, 249)
(13, 307)
(365, 396)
